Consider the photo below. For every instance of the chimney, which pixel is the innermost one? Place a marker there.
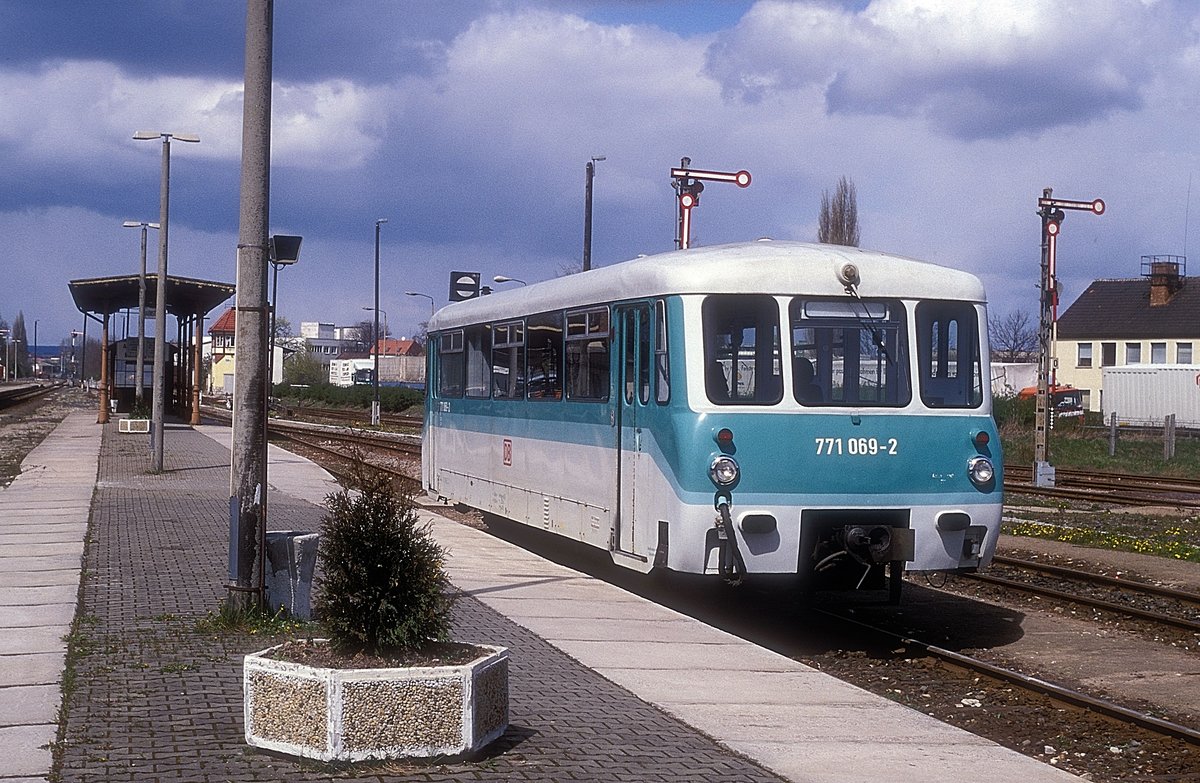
(1166, 277)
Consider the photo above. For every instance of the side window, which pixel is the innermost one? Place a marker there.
(508, 360)
(643, 355)
(741, 350)
(662, 360)
(479, 367)
(1084, 357)
(587, 354)
(948, 352)
(1133, 353)
(544, 350)
(1183, 353)
(1108, 354)
(450, 364)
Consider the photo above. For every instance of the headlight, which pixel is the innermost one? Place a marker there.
(724, 471)
(980, 470)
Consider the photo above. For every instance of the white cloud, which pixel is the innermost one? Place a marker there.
(972, 68)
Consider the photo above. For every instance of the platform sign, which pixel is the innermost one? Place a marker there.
(464, 286)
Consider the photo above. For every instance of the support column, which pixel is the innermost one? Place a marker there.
(102, 417)
(197, 362)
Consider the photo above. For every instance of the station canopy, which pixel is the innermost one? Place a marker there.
(186, 297)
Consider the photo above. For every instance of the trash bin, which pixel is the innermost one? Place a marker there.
(291, 559)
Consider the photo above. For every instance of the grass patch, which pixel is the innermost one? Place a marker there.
(1169, 541)
(254, 622)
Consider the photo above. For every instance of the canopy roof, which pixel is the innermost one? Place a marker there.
(186, 297)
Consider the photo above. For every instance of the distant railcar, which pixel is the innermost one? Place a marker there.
(750, 409)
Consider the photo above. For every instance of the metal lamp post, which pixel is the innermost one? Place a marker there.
(375, 380)
(141, 345)
(427, 296)
(386, 332)
(160, 299)
(34, 368)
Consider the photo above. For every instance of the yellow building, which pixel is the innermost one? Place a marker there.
(1153, 319)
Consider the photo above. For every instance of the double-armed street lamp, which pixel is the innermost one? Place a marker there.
(141, 344)
(160, 300)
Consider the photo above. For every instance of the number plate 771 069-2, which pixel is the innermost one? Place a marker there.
(857, 447)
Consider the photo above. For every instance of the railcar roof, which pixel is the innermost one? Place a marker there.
(766, 267)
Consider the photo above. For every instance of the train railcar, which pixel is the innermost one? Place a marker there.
(758, 408)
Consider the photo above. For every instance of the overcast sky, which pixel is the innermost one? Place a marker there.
(468, 126)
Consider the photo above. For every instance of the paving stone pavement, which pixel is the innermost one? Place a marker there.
(155, 697)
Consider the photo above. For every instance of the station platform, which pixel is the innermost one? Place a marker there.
(604, 684)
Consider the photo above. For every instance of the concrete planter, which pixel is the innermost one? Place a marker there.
(133, 425)
(359, 714)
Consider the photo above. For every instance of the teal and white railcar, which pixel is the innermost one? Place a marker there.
(759, 408)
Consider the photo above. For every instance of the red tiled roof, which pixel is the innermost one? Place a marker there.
(226, 324)
(391, 347)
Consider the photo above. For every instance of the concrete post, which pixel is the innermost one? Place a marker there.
(248, 480)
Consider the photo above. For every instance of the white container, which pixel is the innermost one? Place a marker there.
(1145, 394)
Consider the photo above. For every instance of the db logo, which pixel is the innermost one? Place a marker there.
(507, 452)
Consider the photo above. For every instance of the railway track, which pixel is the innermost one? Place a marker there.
(1101, 487)
(1146, 602)
(360, 418)
(354, 445)
(19, 394)
(1033, 685)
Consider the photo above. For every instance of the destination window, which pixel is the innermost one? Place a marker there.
(848, 351)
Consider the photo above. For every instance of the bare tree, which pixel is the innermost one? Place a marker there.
(838, 223)
(1014, 337)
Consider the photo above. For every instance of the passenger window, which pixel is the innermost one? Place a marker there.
(662, 364)
(849, 352)
(544, 349)
(508, 361)
(450, 364)
(479, 367)
(948, 352)
(587, 354)
(643, 354)
(741, 350)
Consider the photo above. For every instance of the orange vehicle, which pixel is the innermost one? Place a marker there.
(1068, 401)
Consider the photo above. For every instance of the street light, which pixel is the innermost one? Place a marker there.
(160, 300)
(504, 279)
(35, 348)
(375, 402)
(427, 296)
(285, 251)
(141, 346)
(587, 211)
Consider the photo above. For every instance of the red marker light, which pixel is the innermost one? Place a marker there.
(724, 436)
(981, 439)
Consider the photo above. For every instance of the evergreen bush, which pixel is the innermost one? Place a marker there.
(384, 585)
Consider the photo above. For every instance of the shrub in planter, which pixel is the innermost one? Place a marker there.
(384, 586)
(388, 682)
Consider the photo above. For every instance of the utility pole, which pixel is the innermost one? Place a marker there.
(590, 174)
(248, 470)
(1051, 211)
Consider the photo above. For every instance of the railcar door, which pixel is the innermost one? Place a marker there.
(633, 394)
